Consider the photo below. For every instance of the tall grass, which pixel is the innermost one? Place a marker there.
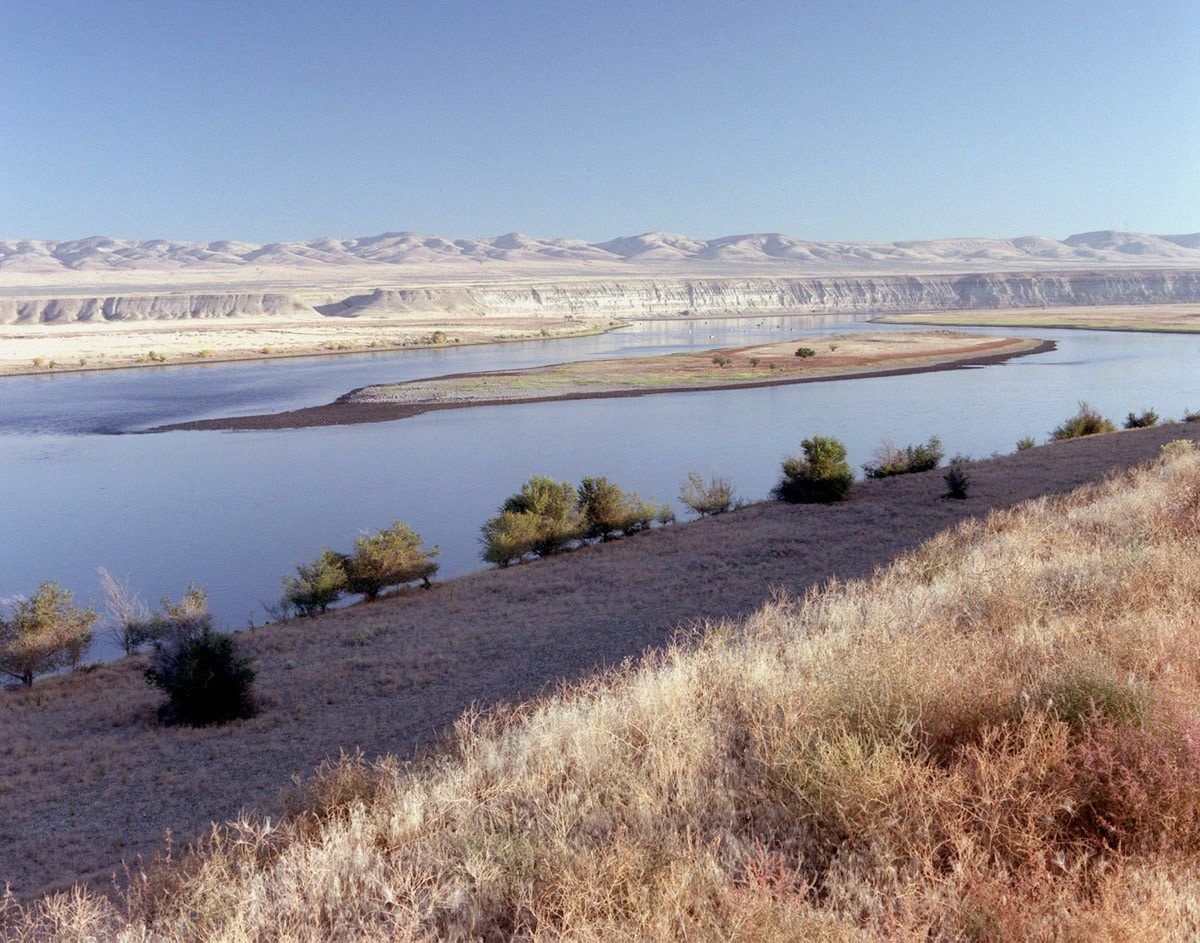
(995, 738)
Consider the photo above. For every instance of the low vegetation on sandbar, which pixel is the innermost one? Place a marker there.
(792, 360)
(994, 739)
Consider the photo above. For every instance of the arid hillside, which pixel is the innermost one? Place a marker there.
(992, 738)
(392, 676)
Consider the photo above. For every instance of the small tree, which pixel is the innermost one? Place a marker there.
(608, 509)
(1085, 422)
(820, 477)
(1142, 420)
(206, 680)
(957, 480)
(890, 460)
(707, 498)
(317, 585)
(805, 352)
(46, 633)
(391, 557)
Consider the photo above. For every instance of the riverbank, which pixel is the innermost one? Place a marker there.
(39, 349)
(1168, 319)
(88, 779)
(844, 357)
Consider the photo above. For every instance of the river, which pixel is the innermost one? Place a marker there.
(236, 511)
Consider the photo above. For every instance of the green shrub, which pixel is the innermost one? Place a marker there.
(805, 352)
(206, 680)
(390, 557)
(439, 337)
(44, 634)
(957, 480)
(1026, 443)
(1142, 420)
(820, 477)
(609, 510)
(721, 361)
(543, 518)
(1085, 422)
(890, 460)
(317, 585)
(707, 498)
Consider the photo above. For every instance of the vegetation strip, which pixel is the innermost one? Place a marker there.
(349, 409)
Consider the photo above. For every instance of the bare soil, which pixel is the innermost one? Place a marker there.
(88, 779)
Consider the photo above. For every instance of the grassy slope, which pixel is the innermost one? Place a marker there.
(993, 738)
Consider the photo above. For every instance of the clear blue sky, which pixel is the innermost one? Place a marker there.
(878, 119)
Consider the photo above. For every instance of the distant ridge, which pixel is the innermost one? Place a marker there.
(104, 254)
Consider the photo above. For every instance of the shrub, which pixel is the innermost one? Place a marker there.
(129, 619)
(206, 680)
(1192, 415)
(543, 518)
(820, 477)
(707, 498)
(609, 510)
(439, 337)
(317, 585)
(722, 361)
(44, 634)
(1142, 420)
(1026, 443)
(805, 352)
(391, 557)
(1085, 422)
(755, 361)
(890, 460)
(957, 480)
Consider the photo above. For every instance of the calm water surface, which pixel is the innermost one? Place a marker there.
(235, 511)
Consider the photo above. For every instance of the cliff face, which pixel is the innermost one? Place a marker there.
(642, 298)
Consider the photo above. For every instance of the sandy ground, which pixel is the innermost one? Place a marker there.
(88, 779)
(1164, 318)
(48, 348)
(729, 366)
(848, 357)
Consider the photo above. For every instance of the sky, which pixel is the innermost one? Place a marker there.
(268, 121)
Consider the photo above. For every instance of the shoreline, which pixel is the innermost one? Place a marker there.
(254, 356)
(342, 412)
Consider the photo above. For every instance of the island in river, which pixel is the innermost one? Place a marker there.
(799, 360)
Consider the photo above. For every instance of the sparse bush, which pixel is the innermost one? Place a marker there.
(317, 585)
(957, 480)
(44, 634)
(128, 617)
(890, 460)
(39, 361)
(543, 518)
(820, 477)
(391, 557)
(439, 337)
(755, 361)
(1142, 420)
(205, 354)
(707, 498)
(805, 352)
(205, 678)
(722, 361)
(1026, 443)
(1192, 415)
(1085, 422)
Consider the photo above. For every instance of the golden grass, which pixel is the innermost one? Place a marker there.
(994, 738)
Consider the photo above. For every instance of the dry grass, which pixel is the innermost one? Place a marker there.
(1177, 318)
(994, 738)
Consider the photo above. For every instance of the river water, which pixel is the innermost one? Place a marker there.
(235, 511)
